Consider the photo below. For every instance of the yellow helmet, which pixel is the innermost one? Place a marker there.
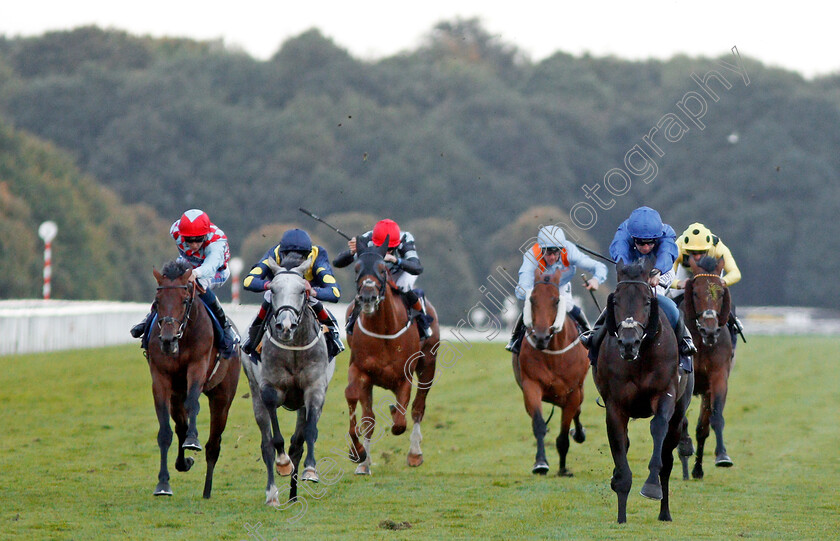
(697, 237)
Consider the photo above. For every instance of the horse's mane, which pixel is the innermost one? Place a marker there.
(708, 263)
(175, 268)
(634, 271)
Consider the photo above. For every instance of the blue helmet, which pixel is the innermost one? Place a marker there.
(645, 223)
(296, 240)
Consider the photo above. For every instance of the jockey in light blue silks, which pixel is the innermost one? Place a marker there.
(552, 253)
(643, 235)
(205, 247)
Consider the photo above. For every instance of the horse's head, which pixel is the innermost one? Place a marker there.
(707, 300)
(632, 310)
(371, 276)
(289, 291)
(546, 314)
(173, 302)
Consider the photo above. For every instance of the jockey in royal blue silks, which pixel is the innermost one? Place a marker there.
(205, 247)
(319, 275)
(550, 254)
(643, 235)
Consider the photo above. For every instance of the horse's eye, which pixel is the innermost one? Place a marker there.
(557, 301)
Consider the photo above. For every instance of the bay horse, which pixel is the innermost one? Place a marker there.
(386, 351)
(294, 372)
(637, 376)
(551, 367)
(184, 363)
(706, 305)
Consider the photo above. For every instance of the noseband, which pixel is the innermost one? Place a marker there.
(709, 313)
(629, 322)
(370, 283)
(296, 312)
(182, 323)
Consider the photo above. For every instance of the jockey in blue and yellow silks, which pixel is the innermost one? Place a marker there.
(320, 277)
(643, 235)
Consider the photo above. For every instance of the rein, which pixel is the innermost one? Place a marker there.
(182, 323)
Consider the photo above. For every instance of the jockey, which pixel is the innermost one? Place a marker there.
(643, 235)
(319, 276)
(553, 253)
(696, 242)
(205, 247)
(403, 264)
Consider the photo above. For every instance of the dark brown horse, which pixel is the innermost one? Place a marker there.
(551, 367)
(637, 377)
(183, 363)
(386, 351)
(706, 306)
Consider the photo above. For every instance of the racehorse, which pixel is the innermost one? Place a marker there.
(294, 372)
(185, 362)
(386, 351)
(637, 377)
(551, 367)
(706, 307)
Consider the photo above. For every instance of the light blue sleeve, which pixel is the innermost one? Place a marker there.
(526, 276)
(213, 260)
(577, 258)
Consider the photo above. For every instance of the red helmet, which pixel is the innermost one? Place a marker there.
(194, 223)
(387, 228)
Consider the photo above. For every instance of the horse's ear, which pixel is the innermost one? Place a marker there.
(158, 276)
(612, 328)
(695, 268)
(187, 274)
(361, 245)
(619, 267)
(303, 267)
(652, 326)
(384, 248)
(555, 278)
(537, 275)
(725, 308)
(688, 300)
(272, 265)
(719, 267)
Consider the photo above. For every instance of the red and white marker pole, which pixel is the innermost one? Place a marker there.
(236, 265)
(47, 231)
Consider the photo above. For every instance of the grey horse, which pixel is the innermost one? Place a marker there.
(294, 373)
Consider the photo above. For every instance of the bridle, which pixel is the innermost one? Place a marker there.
(366, 282)
(630, 322)
(529, 331)
(708, 313)
(182, 323)
(297, 313)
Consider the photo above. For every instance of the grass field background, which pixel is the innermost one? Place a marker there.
(79, 460)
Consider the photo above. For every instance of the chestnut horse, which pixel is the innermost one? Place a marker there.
(706, 305)
(184, 362)
(386, 351)
(551, 367)
(637, 376)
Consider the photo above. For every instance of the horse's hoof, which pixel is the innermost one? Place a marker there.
(579, 437)
(310, 474)
(697, 472)
(188, 463)
(163, 489)
(362, 469)
(540, 468)
(272, 497)
(283, 466)
(651, 491)
(565, 473)
(414, 460)
(723, 461)
(191, 444)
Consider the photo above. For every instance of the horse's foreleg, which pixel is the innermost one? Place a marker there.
(672, 439)
(296, 450)
(570, 413)
(353, 394)
(398, 420)
(179, 415)
(192, 406)
(722, 459)
(314, 402)
(367, 427)
(220, 402)
(622, 478)
(272, 399)
(702, 432)
(658, 430)
(532, 394)
(161, 391)
(686, 448)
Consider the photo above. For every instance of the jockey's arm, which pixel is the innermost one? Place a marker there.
(526, 276)
(259, 278)
(578, 259)
(323, 282)
(343, 259)
(732, 274)
(214, 259)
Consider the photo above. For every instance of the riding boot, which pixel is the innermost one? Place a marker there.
(255, 331)
(334, 344)
(418, 312)
(351, 319)
(592, 339)
(229, 337)
(580, 318)
(685, 345)
(516, 335)
(140, 329)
